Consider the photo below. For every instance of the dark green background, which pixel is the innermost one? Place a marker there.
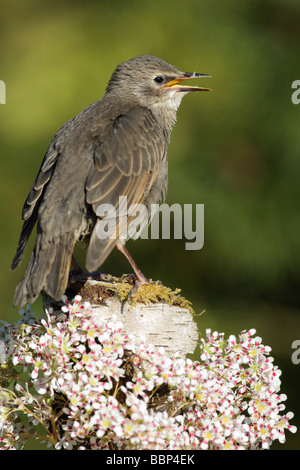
(236, 150)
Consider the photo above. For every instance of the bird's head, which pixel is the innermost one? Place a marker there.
(152, 82)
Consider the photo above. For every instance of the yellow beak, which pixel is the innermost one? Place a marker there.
(187, 76)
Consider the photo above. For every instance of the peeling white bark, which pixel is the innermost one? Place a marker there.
(162, 325)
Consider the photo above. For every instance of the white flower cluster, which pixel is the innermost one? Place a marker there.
(78, 383)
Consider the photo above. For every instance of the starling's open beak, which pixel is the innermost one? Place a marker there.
(187, 76)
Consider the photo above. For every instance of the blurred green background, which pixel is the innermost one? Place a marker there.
(236, 150)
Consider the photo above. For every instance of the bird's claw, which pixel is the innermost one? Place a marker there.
(138, 282)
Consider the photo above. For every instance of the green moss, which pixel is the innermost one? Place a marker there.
(151, 293)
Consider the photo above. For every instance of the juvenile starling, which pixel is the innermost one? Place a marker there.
(115, 147)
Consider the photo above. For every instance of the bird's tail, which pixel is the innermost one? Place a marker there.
(28, 225)
(48, 269)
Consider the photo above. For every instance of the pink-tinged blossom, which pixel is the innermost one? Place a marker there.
(91, 386)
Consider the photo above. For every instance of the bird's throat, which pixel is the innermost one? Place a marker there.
(166, 110)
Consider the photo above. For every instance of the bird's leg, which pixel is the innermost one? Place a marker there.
(78, 269)
(140, 278)
(80, 273)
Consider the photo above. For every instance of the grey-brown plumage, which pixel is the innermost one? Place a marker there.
(116, 146)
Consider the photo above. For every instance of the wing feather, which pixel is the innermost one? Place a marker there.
(125, 164)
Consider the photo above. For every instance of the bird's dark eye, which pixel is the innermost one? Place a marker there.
(159, 79)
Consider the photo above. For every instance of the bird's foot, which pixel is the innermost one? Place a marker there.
(82, 275)
(79, 274)
(138, 281)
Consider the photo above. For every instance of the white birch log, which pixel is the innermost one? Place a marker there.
(163, 325)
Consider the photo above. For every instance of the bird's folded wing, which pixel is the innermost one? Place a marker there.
(125, 164)
(46, 170)
(31, 205)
